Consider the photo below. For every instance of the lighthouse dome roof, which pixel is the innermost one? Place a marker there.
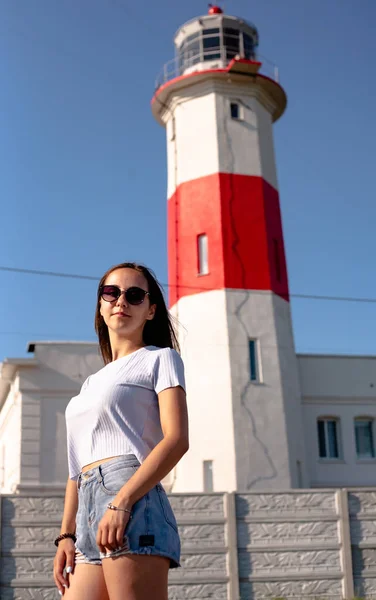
(214, 10)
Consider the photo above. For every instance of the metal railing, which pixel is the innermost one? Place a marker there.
(186, 63)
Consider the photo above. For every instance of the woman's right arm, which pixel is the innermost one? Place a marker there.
(68, 524)
(65, 552)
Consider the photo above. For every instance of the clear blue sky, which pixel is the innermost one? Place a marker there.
(83, 166)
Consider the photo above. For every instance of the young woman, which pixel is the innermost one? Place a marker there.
(127, 429)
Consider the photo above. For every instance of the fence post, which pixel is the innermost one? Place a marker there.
(232, 544)
(345, 539)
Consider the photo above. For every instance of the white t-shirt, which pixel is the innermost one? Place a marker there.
(117, 410)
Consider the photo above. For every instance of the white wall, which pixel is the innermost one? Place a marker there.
(202, 139)
(193, 152)
(342, 387)
(10, 440)
(205, 351)
(239, 425)
(337, 376)
(43, 443)
(32, 420)
(245, 146)
(53, 446)
(30, 438)
(267, 415)
(62, 366)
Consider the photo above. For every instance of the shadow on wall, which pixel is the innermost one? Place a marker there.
(7, 547)
(245, 566)
(359, 555)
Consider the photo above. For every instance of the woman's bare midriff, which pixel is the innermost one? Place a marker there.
(96, 463)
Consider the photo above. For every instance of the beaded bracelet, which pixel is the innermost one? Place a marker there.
(64, 536)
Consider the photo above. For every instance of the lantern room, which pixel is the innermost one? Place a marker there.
(213, 40)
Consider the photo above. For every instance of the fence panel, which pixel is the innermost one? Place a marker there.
(295, 545)
(362, 509)
(30, 524)
(289, 545)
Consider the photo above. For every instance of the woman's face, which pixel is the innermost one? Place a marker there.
(124, 319)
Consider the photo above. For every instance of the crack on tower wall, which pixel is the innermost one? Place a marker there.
(234, 246)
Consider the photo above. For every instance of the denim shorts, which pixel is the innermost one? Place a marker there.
(152, 529)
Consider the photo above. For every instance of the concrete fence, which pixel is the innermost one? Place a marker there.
(301, 544)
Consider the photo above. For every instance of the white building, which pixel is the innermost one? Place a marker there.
(338, 420)
(261, 417)
(339, 412)
(34, 393)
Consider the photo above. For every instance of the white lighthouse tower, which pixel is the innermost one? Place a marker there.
(227, 268)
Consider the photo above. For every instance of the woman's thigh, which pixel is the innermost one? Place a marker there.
(136, 577)
(86, 583)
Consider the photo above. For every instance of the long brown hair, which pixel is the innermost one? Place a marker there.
(159, 331)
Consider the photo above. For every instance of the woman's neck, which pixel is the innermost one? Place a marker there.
(121, 347)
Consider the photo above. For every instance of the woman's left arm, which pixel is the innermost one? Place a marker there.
(163, 458)
(160, 461)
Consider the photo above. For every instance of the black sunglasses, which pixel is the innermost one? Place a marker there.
(133, 295)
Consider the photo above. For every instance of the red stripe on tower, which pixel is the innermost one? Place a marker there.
(241, 217)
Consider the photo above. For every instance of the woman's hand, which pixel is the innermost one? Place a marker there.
(111, 530)
(64, 559)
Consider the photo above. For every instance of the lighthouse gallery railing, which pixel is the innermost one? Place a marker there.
(178, 66)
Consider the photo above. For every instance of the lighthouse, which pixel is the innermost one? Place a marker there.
(228, 285)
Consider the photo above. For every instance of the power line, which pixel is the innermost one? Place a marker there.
(64, 51)
(48, 273)
(187, 287)
(334, 298)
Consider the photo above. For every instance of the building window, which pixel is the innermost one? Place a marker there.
(327, 430)
(202, 251)
(235, 110)
(208, 476)
(364, 438)
(254, 361)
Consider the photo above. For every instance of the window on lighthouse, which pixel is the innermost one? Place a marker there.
(248, 44)
(211, 44)
(254, 361)
(203, 258)
(231, 42)
(235, 110)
